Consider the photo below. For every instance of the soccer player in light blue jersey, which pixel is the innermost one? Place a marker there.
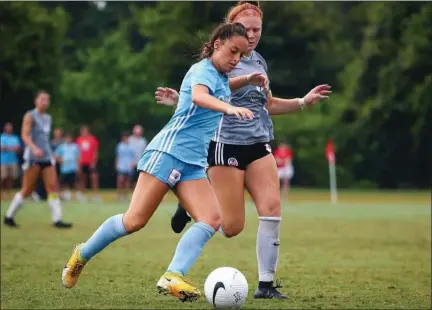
(176, 158)
(125, 161)
(67, 154)
(240, 152)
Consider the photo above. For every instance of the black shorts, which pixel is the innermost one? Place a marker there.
(87, 169)
(238, 156)
(68, 179)
(42, 164)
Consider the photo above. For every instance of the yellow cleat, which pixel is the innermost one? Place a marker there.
(178, 286)
(73, 268)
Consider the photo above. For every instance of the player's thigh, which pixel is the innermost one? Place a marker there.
(151, 187)
(199, 199)
(262, 183)
(49, 177)
(30, 176)
(228, 184)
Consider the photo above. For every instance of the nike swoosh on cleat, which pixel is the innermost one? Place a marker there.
(215, 290)
(169, 280)
(276, 244)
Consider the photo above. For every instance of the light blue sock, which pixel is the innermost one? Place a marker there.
(111, 230)
(190, 246)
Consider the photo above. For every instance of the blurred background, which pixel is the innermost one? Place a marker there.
(102, 61)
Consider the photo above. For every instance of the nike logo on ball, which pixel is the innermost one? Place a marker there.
(216, 288)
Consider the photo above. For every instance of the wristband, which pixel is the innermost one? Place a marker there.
(301, 103)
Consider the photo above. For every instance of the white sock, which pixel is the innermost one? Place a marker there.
(267, 247)
(16, 203)
(56, 210)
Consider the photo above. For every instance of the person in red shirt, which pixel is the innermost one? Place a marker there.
(89, 152)
(284, 155)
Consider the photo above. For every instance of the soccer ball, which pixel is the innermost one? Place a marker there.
(226, 287)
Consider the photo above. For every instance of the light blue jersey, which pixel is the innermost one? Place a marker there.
(179, 151)
(69, 154)
(9, 157)
(125, 154)
(188, 133)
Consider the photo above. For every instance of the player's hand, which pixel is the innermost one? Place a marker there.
(166, 96)
(241, 113)
(318, 93)
(37, 152)
(258, 79)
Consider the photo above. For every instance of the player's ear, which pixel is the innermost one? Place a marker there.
(217, 44)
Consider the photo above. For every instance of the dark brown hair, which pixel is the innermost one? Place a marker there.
(222, 32)
(241, 7)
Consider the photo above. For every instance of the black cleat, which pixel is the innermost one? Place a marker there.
(266, 290)
(10, 222)
(179, 219)
(61, 224)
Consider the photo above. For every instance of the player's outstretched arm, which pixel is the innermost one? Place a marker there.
(255, 79)
(167, 96)
(202, 98)
(278, 106)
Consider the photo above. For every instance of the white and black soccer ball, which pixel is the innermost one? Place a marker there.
(226, 287)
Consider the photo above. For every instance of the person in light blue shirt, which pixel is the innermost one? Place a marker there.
(176, 159)
(10, 146)
(125, 161)
(67, 155)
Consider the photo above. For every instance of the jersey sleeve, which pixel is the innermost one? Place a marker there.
(204, 75)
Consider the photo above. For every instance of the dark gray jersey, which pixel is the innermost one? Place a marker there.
(40, 135)
(231, 130)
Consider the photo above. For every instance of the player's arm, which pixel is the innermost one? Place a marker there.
(26, 135)
(255, 79)
(202, 98)
(278, 106)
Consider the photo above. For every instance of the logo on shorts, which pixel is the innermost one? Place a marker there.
(174, 177)
(268, 147)
(232, 162)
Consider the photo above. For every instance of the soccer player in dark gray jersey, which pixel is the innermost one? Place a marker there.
(240, 157)
(258, 130)
(38, 160)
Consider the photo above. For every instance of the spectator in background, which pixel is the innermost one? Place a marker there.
(284, 155)
(89, 153)
(139, 144)
(67, 156)
(10, 147)
(125, 162)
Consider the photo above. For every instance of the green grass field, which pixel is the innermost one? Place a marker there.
(372, 250)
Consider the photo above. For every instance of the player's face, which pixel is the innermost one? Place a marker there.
(253, 26)
(57, 133)
(137, 131)
(42, 102)
(69, 139)
(227, 54)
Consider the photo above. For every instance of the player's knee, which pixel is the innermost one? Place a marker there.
(232, 230)
(271, 207)
(133, 223)
(213, 220)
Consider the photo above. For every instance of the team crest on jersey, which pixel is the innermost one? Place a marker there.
(259, 62)
(232, 162)
(268, 147)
